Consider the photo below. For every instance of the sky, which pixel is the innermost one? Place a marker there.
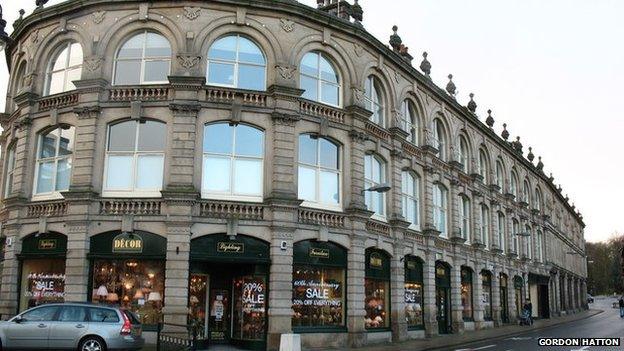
(551, 69)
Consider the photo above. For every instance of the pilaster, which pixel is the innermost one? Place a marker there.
(355, 292)
(76, 262)
(429, 295)
(456, 303)
(397, 287)
(10, 273)
(280, 283)
(175, 308)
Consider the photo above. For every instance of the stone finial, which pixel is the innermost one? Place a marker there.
(540, 164)
(518, 145)
(489, 120)
(551, 178)
(320, 3)
(530, 156)
(40, 3)
(505, 133)
(2, 23)
(450, 87)
(425, 65)
(395, 39)
(472, 105)
(357, 13)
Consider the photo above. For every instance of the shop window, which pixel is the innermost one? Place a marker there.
(377, 290)
(64, 68)
(10, 170)
(135, 157)
(318, 79)
(233, 162)
(373, 98)
(54, 161)
(374, 175)
(466, 294)
(486, 295)
(237, 62)
(410, 198)
(413, 291)
(143, 59)
(319, 277)
(319, 172)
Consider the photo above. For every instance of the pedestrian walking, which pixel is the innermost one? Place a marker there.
(622, 306)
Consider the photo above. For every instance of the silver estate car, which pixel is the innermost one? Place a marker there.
(72, 326)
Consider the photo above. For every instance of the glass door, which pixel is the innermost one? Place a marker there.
(249, 310)
(219, 320)
(504, 308)
(443, 310)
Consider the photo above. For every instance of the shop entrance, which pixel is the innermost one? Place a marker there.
(443, 297)
(228, 298)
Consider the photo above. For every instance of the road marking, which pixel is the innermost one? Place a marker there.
(516, 338)
(581, 349)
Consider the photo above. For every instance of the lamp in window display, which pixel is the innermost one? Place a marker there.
(377, 290)
(413, 291)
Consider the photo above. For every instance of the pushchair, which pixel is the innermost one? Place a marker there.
(525, 318)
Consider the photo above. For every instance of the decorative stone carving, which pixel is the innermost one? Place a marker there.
(286, 72)
(34, 36)
(287, 25)
(188, 61)
(28, 80)
(98, 16)
(192, 13)
(358, 94)
(397, 76)
(358, 136)
(359, 49)
(286, 119)
(93, 63)
(87, 112)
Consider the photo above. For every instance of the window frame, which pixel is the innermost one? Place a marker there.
(515, 228)
(9, 169)
(439, 138)
(318, 168)
(50, 71)
(319, 77)
(485, 226)
(143, 59)
(440, 194)
(54, 194)
(528, 241)
(501, 224)
(464, 153)
(409, 121)
(236, 63)
(483, 165)
(500, 176)
(465, 217)
(414, 197)
(133, 192)
(375, 98)
(368, 183)
(513, 186)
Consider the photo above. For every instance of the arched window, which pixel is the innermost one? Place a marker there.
(439, 138)
(64, 68)
(319, 171)
(464, 215)
(513, 186)
(54, 161)
(135, 158)
(10, 169)
(539, 252)
(500, 176)
(233, 162)
(515, 231)
(464, 153)
(501, 231)
(537, 200)
(483, 165)
(145, 58)
(237, 62)
(526, 192)
(18, 82)
(374, 100)
(485, 226)
(440, 209)
(374, 174)
(319, 79)
(409, 121)
(528, 250)
(410, 196)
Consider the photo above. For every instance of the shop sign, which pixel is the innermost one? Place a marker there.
(318, 252)
(253, 295)
(412, 295)
(376, 261)
(127, 243)
(47, 244)
(411, 264)
(230, 247)
(311, 292)
(42, 285)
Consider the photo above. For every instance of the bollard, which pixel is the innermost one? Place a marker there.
(290, 342)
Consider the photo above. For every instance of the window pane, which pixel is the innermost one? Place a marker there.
(75, 57)
(377, 299)
(309, 64)
(411, 211)
(149, 172)
(224, 49)
(327, 71)
(310, 87)
(376, 171)
(128, 72)
(330, 94)
(220, 73)
(45, 177)
(60, 62)
(251, 77)
(157, 46)
(216, 176)
(368, 167)
(249, 141)
(156, 71)
(307, 184)
(122, 136)
(218, 138)
(63, 174)
(248, 177)
(40, 314)
(249, 52)
(329, 183)
(119, 173)
(72, 314)
(307, 149)
(133, 48)
(72, 75)
(48, 144)
(380, 204)
(329, 154)
(66, 144)
(152, 136)
(57, 83)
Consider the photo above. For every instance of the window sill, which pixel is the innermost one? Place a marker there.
(235, 198)
(318, 206)
(47, 197)
(414, 227)
(131, 194)
(379, 218)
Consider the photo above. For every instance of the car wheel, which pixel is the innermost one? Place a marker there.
(92, 343)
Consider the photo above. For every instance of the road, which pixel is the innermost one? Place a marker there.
(604, 325)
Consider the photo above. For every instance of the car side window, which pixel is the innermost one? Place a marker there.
(72, 314)
(103, 315)
(40, 314)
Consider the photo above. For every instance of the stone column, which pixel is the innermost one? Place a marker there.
(280, 287)
(355, 293)
(85, 148)
(477, 290)
(511, 292)
(455, 220)
(566, 300)
(429, 295)
(76, 262)
(456, 305)
(10, 273)
(476, 221)
(496, 299)
(397, 294)
(175, 308)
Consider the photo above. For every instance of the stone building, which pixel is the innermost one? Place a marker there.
(259, 168)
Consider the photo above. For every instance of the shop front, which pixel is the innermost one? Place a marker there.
(228, 290)
(443, 297)
(504, 298)
(518, 283)
(42, 270)
(128, 269)
(377, 290)
(414, 293)
(539, 295)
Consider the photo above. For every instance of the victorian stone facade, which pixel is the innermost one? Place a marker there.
(487, 229)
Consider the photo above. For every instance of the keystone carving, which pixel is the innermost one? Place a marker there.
(192, 13)
(287, 25)
(98, 16)
(286, 72)
(93, 63)
(188, 61)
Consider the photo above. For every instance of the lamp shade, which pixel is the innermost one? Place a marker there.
(112, 297)
(102, 291)
(194, 299)
(154, 296)
(138, 294)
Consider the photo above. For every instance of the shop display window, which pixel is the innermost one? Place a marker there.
(42, 281)
(137, 285)
(377, 301)
(197, 303)
(249, 308)
(486, 295)
(413, 293)
(466, 293)
(318, 296)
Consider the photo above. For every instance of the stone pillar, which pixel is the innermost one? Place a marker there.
(85, 148)
(455, 220)
(76, 262)
(511, 292)
(427, 201)
(355, 293)
(397, 294)
(280, 288)
(429, 292)
(566, 300)
(456, 305)
(476, 221)
(10, 273)
(496, 299)
(175, 308)
(556, 292)
(477, 290)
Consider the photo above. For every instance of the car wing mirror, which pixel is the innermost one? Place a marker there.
(18, 319)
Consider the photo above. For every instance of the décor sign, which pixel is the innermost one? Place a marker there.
(318, 252)
(376, 261)
(47, 244)
(127, 243)
(230, 247)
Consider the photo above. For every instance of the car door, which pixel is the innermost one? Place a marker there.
(32, 330)
(70, 326)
